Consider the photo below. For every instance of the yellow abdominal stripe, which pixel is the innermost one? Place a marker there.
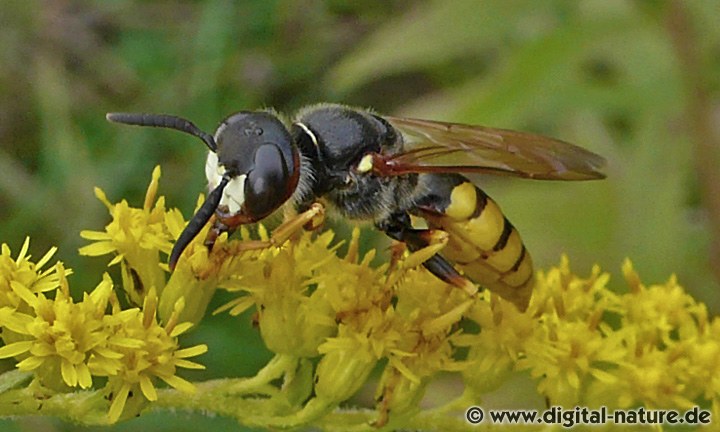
(476, 225)
(505, 258)
(463, 200)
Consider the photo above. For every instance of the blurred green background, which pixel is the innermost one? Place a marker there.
(636, 81)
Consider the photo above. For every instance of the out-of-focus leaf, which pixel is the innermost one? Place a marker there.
(653, 225)
(547, 76)
(436, 32)
(213, 44)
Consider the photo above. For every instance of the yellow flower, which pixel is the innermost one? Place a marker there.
(672, 356)
(345, 365)
(21, 274)
(570, 347)
(193, 281)
(494, 351)
(427, 311)
(294, 313)
(360, 302)
(705, 354)
(654, 378)
(136, 237)
(65, 343)
(148, 350)
(660, 314)
(653, 346)
(331, 320)
(60, 335)
(562, 293)
(398, 312)
(567, 356)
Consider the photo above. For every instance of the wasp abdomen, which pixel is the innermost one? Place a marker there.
(482, 242)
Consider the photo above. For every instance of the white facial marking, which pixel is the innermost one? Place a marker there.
(213, 171)
(234, 193)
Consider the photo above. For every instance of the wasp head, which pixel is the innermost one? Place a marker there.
(258, 155)
(252, 168)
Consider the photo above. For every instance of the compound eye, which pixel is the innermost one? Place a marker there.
(267, 183)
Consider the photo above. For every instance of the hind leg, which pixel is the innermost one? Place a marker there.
(398, 227)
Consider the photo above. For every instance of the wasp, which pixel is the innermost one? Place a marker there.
(381, 169)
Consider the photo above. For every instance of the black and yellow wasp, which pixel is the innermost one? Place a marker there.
(381, 169)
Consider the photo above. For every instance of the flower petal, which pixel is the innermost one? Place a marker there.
(84, 376)
(95, 235)
(118, 403)
(15, 348)
(187, 364)
(98, 248)
(69, 373)
(30, 363)
(148, 388)
(179, 383)
(192, 351)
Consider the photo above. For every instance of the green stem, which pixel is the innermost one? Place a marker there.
(461, 403)
(86, 407)
(212, 397)
(276, 367)
(91, 407)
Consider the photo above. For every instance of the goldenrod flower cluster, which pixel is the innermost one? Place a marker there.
(331, 319)
(652, 346)
(67, 343)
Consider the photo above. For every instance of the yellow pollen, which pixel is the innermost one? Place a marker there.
(365, 164)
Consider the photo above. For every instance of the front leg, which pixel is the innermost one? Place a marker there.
(309, 219)
(398, 227)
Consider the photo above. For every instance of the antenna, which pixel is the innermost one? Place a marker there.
(163, 121)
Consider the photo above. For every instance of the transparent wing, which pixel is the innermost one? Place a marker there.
(437, 147)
